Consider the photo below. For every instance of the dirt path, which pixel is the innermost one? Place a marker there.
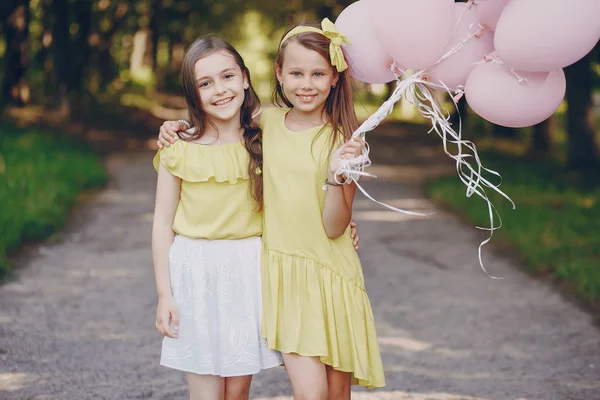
(77, 323)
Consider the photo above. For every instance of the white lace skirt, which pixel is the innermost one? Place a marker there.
(216, 284)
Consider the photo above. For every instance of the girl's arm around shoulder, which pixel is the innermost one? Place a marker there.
(167, 133)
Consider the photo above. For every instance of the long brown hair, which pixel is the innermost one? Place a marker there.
(339, 105)
(201, 48)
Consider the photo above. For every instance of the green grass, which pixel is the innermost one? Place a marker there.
(41, 175)
(555, 224)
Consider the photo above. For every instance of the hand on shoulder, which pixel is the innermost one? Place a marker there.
(168, 132)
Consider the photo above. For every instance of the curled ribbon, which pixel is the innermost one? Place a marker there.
(336, 39)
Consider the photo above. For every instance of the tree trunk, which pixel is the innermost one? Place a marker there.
(583, 152)
(42, 60)
(462, 111)
(81, 46)
(389, 89)
(155, 30)
(60, 42)
(106, 68)
(505, 132)
(136, 61)
(324, 11)
(541, 143)
(177, 54)
(15, 29)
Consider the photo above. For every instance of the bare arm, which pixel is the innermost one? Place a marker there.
(338, 208)
(167, 197)
(167, 134)
(337, 211)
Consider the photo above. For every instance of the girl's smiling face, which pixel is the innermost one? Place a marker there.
(221, 84)
(306, 77)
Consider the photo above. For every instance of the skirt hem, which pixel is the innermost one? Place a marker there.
(210, 371)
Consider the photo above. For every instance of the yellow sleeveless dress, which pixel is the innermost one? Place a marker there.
(314, 298)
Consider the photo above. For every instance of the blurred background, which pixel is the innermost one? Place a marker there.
(82, 78)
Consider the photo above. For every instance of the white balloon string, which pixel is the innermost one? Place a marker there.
(460, 45)
(462, 14)
(433, 112)
(428, 105)
(367, 195)
(493, 58)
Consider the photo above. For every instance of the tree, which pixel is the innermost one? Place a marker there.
(541, 143)
(82, 11)
(108, 20)
(15, 30)
(460, 109)
(155, 31)
(583, 151)
(60, 53)
(505, 132)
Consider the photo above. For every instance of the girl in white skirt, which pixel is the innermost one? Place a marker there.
(206, 235)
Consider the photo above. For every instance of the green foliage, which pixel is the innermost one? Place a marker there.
(41, 176)
(555, 224)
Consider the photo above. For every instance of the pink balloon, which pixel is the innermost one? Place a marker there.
(454, 70)
(495, 93)
(543, 35)
(489, 11)
(366, 57)
(413, 32)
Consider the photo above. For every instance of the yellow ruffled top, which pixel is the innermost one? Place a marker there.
(314, 298)
(215, 200)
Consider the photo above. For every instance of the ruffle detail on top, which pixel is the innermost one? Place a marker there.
(194, 162)
(305, 299)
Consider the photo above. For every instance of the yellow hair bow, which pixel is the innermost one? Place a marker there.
(335, 37)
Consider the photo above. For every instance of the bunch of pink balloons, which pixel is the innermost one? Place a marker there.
(506, 55)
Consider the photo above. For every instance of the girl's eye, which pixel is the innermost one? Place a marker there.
(296, 73)
(319, 74)
(229, 76)
(203, 84)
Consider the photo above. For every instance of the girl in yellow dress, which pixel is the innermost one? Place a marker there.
(315, 307)
(206, 235)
